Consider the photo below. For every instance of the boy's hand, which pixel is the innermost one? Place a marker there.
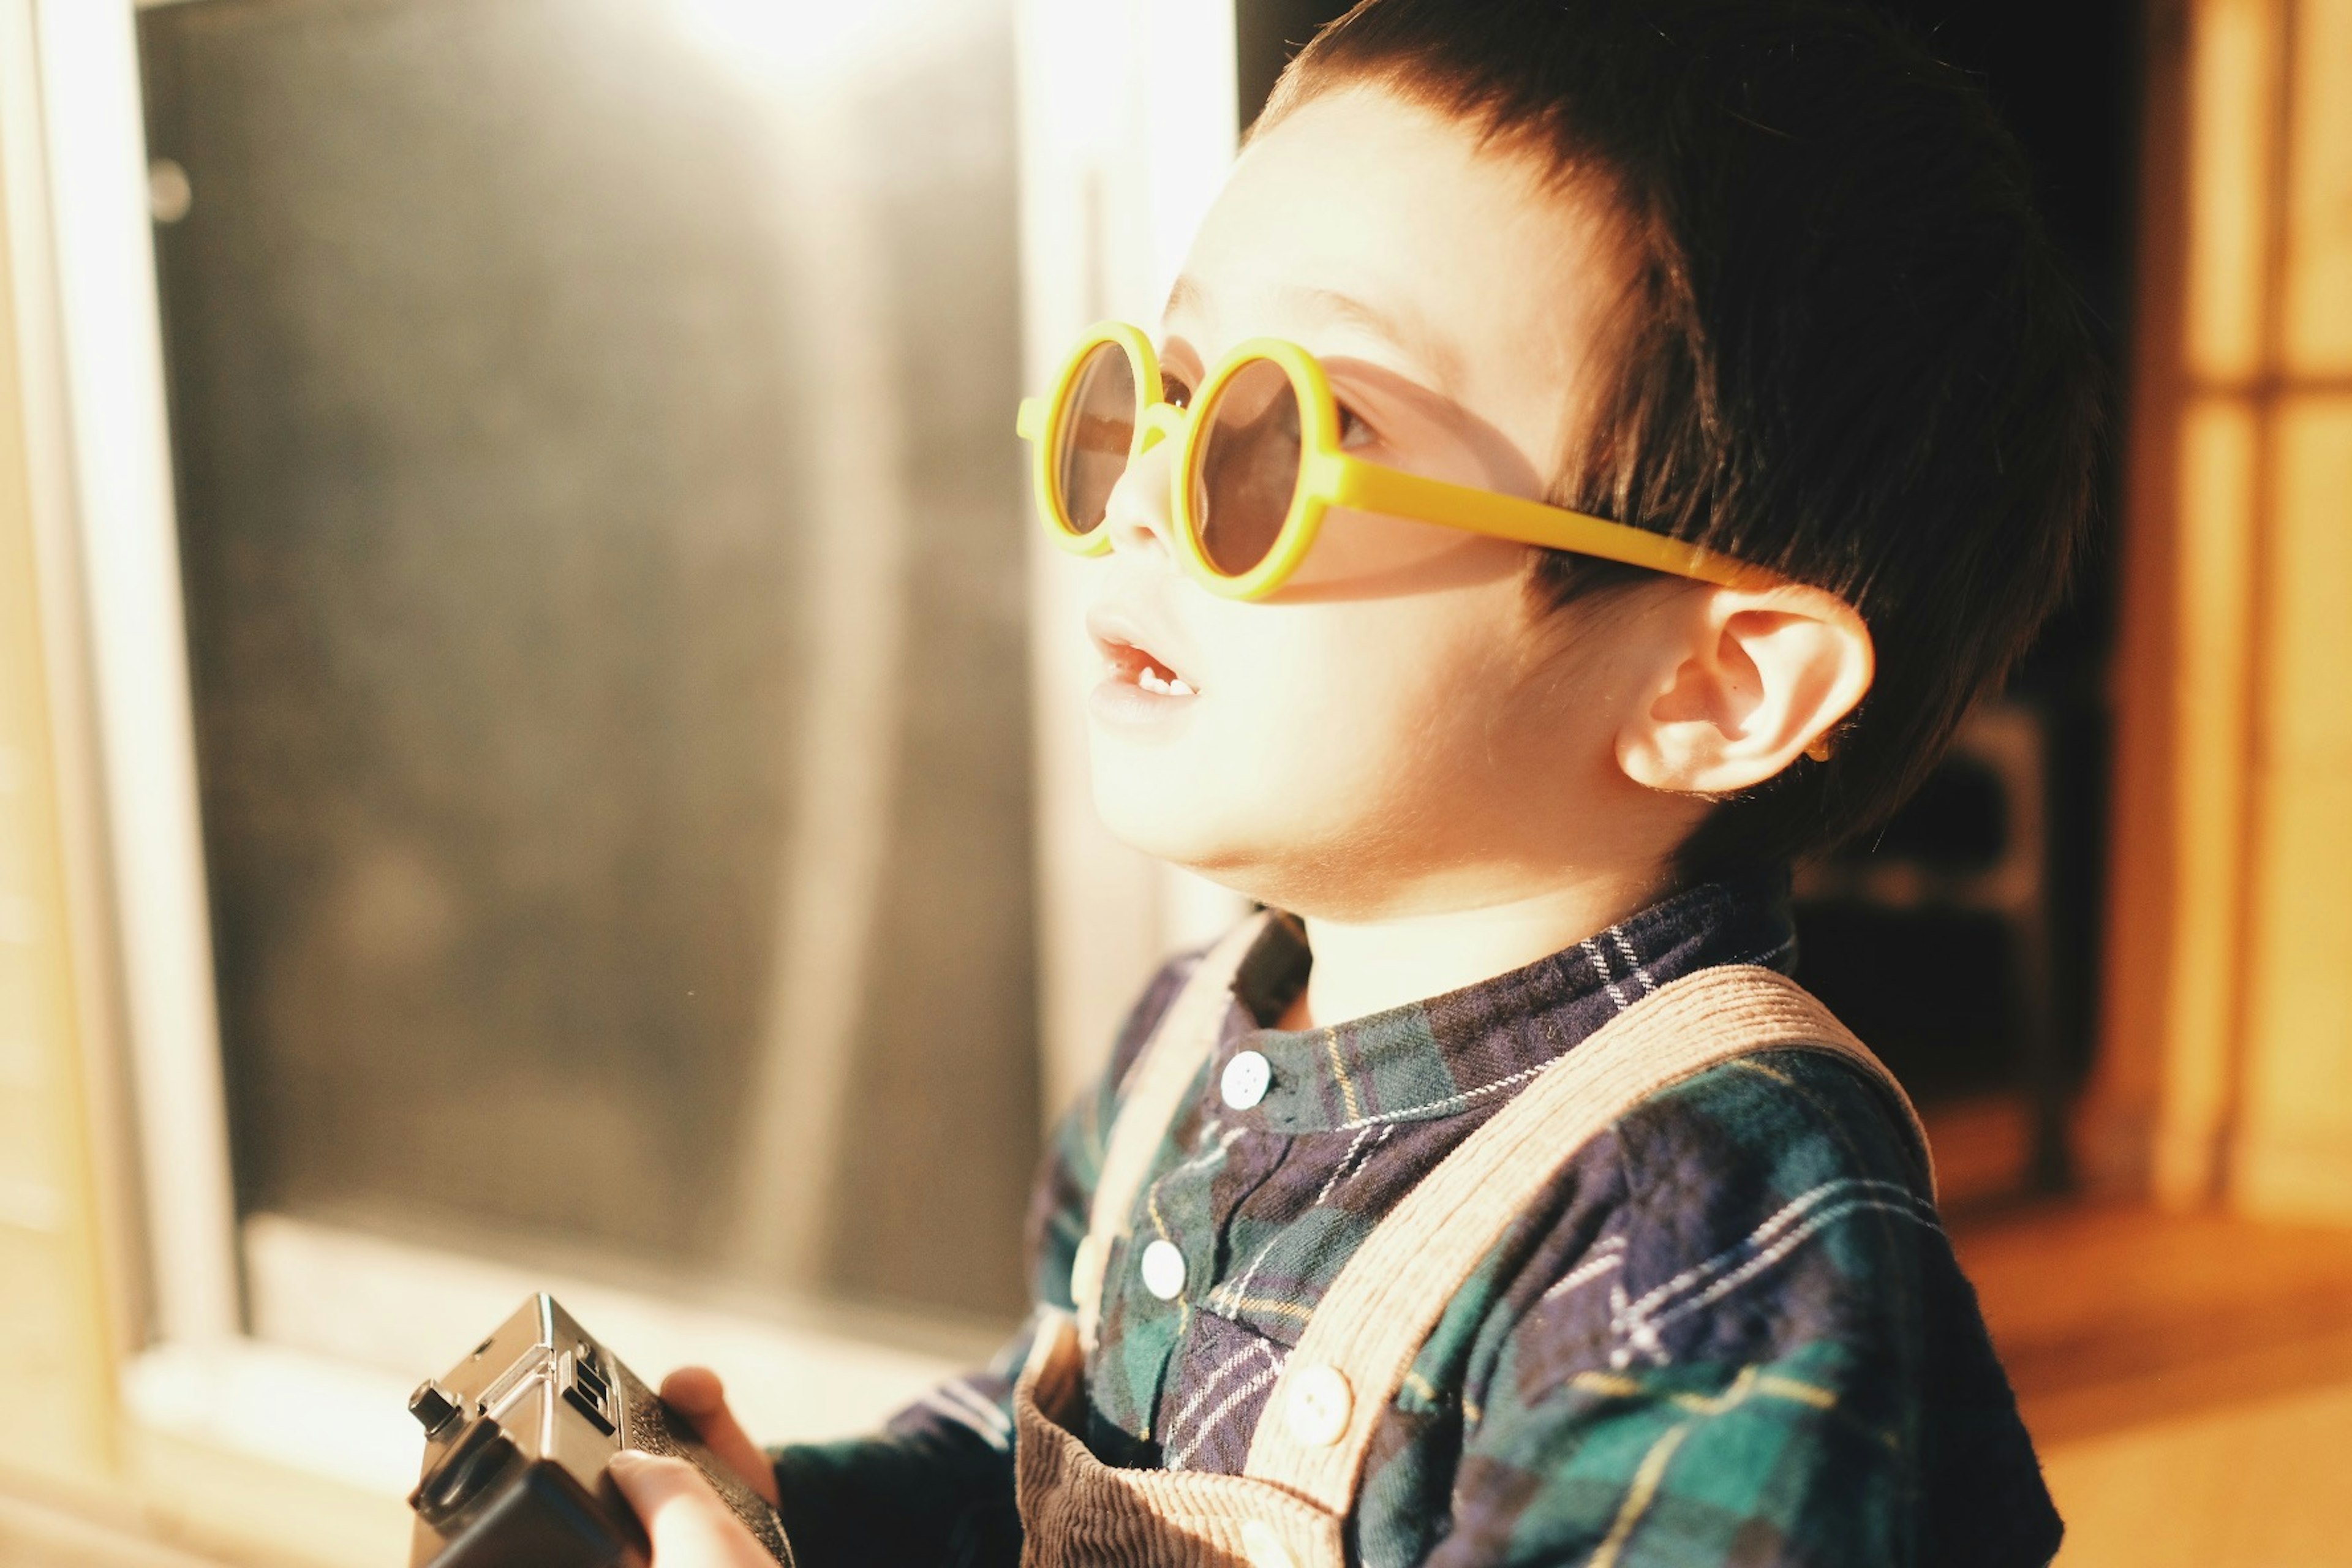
(688, 1526)
(696, 1392)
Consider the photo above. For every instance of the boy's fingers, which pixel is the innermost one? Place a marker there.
(696, 1392)
(688, 1526)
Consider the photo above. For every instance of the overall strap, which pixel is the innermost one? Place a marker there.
(1149, 1097)
(1372, 1322)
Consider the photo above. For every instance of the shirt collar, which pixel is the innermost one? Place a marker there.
(1468, 1049)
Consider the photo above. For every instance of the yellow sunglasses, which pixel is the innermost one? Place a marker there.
(1258, 462)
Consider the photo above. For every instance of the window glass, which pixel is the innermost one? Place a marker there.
(601, 538)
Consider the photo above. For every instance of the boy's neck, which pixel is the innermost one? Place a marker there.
(1361, 969)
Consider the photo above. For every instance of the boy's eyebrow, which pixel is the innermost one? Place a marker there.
(1402, 329)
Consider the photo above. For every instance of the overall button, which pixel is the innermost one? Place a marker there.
(1263, 1548)
(1163, 1270)
(1315, 1410)
(1245, 1079)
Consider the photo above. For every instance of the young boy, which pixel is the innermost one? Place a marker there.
(1495, 1201)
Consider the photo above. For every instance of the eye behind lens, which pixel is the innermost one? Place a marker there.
(1245, 467)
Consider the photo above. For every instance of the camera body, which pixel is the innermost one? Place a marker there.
(517, 1440)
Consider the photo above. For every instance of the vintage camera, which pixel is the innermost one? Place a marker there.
(517, 1439)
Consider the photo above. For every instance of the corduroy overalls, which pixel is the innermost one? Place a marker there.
(1288, 1507)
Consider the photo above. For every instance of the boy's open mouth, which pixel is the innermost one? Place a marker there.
(1140, 685)
(1131, 666)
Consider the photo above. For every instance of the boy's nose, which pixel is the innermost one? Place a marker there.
(1137, 514)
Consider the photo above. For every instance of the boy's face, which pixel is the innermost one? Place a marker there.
(1402, 727)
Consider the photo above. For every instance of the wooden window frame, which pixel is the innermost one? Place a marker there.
(2221, 1080)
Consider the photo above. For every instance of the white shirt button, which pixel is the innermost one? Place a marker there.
(1264, 1547)
(1163, 1270)
(1316, 1407)
(1245, 1079)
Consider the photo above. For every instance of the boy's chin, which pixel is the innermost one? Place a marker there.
(1181, 832)
(1165, 836)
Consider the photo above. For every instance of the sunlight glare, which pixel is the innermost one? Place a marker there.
(786, 39)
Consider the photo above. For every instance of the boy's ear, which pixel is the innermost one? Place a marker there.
(1748, 681)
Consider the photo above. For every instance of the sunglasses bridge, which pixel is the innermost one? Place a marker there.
(1162, 421)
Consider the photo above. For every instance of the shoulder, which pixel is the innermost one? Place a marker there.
(1769, 1203)
(1786, 1183)
(1749, 1265)
(1764, 1131)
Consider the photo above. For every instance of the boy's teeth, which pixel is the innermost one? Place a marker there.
(1153, 678)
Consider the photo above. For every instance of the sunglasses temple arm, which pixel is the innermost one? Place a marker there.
(1373, 487)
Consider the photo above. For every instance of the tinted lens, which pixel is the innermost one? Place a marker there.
(1097, 434)
(1247, 470)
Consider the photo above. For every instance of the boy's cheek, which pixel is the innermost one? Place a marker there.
(1295, 746)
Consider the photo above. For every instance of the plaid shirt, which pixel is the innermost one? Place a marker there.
(1732, 1330)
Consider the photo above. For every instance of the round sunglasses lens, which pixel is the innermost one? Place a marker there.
(1098, 433)
(1248, 467)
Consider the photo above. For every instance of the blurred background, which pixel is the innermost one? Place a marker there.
(537, 745)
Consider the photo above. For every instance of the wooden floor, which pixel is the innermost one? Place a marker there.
(2187, 1379)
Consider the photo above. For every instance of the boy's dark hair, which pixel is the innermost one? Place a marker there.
(1849, 355)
